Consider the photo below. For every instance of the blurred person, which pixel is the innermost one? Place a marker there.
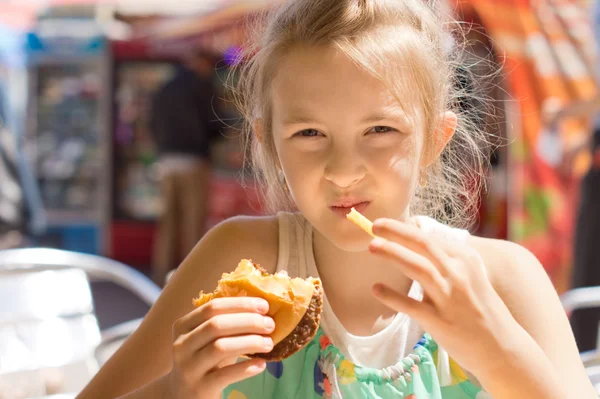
(184, 122)
(350, 104)
(586, 267)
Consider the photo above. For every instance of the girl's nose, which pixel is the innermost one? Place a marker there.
(344, 168)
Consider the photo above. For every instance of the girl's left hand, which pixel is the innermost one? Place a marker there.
(461, 310)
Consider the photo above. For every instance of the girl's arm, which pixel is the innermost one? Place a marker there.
(548, 355)
(147, 355)
(158, 389)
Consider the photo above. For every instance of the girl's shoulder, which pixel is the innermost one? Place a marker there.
(505, 260)
(246, 237)
(218, 252)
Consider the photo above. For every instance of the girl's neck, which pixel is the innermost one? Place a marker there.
(348, 278)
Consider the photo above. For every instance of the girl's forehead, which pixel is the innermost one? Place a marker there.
(320, 67)
(309, 81)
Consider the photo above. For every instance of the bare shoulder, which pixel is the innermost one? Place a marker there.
(249, 237)
(505, 260)
(218, 252)
(246, 236)
(522, 283)
(226, 244)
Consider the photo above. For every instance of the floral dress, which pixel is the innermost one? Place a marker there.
(319, 370)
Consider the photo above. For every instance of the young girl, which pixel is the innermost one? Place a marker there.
(351, 103)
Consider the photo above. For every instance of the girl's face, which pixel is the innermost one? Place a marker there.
(342, 142)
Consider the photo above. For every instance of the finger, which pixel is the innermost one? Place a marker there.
(420, 311)
(223, 377)
(223, 325)
(415, 266)
(230, 347)
(219, 306)
(415, 239)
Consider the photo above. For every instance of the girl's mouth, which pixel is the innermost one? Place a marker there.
(343, 207)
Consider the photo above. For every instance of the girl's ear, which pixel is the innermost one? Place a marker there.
(443, 135)
(258, 129)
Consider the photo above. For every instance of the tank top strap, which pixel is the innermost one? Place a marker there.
(284, 245)
(304, 234)
(295, 240)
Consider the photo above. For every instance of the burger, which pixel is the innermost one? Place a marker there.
(295, 304)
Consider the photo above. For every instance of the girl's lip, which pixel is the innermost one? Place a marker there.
(348, 203)
(343, 210)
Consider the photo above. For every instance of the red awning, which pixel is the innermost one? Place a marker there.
(196, 25)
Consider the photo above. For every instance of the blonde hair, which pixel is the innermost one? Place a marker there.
(407, 46)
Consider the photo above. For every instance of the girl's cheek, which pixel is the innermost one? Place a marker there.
(403, 167)
(400, 159)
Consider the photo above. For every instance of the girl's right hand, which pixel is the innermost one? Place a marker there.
(208, 341)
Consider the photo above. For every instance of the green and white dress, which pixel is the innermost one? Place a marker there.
(402, 361)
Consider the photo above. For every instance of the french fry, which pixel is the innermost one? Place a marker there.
(357, 218)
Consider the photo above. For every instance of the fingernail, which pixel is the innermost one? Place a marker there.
(268, 343)
(378, 222)
(261, 305)
(256, 368)
(269, 323)
(377, 242)
(378, 289)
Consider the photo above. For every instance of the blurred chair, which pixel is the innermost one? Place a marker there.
(586, 298)
(50, 340)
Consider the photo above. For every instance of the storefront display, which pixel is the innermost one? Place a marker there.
(66, 137)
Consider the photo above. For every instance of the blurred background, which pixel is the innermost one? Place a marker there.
(98, 203)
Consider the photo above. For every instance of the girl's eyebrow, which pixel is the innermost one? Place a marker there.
(395, 115)
(298, 120)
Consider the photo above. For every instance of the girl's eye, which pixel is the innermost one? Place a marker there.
(308, 133)
(382, 129)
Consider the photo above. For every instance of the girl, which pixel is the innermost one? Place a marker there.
(350, 103)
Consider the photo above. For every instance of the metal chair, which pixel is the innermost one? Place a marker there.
(586, 298)
(47, 318)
